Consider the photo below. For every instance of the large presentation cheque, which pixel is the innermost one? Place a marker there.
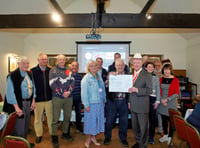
(120, 83)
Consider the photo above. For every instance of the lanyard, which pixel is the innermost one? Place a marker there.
(97, 78)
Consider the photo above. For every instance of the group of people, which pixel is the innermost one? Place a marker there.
(154, 90)
(44, 90)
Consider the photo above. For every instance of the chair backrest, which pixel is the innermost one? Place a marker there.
(9, 126)
(193, 136)
(179, 123)
(15, 142)
(173, 112)
(1, 99)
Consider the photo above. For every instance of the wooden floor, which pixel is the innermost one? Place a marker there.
(80, 139)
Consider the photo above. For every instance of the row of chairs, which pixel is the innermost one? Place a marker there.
(185, 131)
(11, 141)
(15, 142)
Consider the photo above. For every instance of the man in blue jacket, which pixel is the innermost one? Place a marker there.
(194, 118)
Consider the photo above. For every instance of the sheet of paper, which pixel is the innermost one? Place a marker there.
(120, 83)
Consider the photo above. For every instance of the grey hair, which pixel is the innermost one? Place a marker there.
(41, 54)
(60, 55)
(119, 60)
(22, 58)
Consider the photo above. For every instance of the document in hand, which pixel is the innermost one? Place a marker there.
(120, 83)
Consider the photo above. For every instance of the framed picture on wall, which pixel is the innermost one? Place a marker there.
(52, 60)
(12, 63)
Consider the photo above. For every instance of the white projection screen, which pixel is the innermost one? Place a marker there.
(87, 51)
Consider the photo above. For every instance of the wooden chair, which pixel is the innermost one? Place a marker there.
(9, 126)
(15, 142)
(180, 123)
(193, 136)
(173, 112)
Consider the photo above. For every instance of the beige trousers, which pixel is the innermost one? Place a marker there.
(40, 107)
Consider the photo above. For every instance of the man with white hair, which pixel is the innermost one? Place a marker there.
(139, 102)
(62, 85)
(117, 103)
(20, 94)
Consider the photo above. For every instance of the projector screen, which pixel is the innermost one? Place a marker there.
(87, 51)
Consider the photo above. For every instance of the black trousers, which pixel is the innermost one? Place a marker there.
(166, 123)
(152, 118)
(113, 108)
(78, 106)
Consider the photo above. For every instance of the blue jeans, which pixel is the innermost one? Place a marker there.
(112, 109)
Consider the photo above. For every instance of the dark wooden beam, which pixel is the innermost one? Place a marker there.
(56, 7)
(147, 7)
(100, 11)
(108, 21)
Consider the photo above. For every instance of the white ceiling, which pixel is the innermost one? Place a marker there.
(112, 6)
(88, 6)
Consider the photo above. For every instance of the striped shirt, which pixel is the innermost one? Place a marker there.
(77, 86)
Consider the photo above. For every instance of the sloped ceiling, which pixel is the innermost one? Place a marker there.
(88, 6)
(112, 6)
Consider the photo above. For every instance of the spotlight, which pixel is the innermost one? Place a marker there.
(56, 17)
(148, 16)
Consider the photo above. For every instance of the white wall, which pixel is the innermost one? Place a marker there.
(193, 66)
(9, 43)
(170, 45)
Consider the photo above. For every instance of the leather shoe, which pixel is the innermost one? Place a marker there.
(107, 141)
(136, 145)
(55, 141)
(124, 143)
(67, 136)
(80, 130)
(38, 139)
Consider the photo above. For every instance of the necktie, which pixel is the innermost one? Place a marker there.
(134, 77)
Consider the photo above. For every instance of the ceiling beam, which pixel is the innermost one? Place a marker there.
(100, 11)
(108, 21)
(147, 7)
(56, 7)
